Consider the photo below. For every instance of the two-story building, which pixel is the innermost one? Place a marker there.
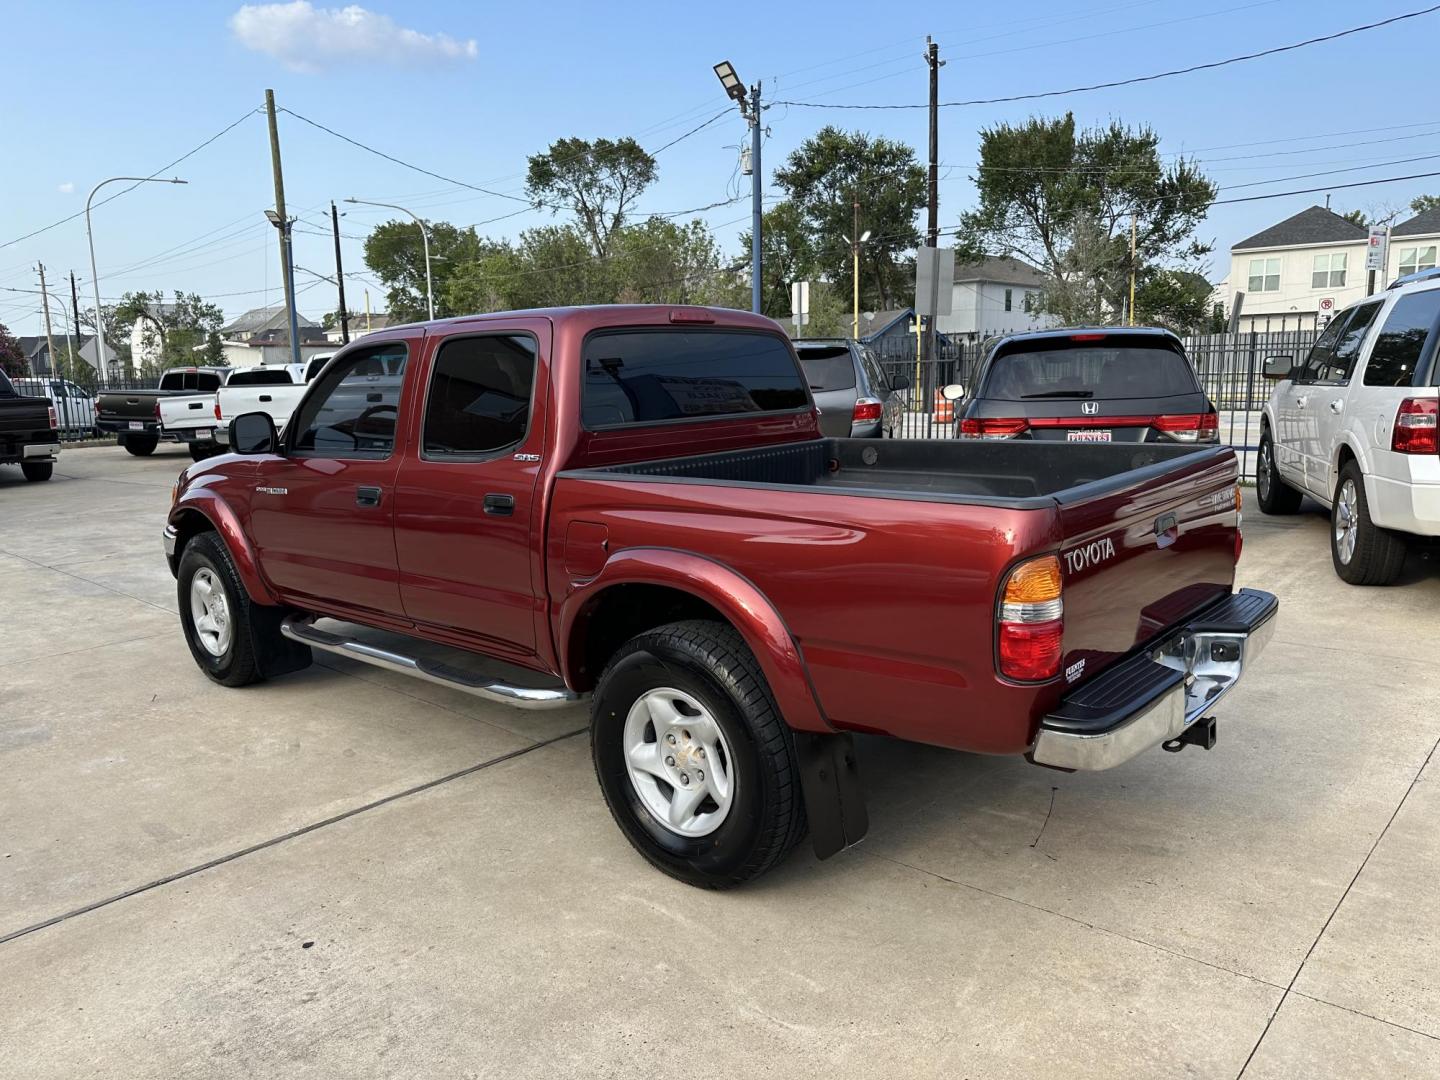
(1298, 272)
(994, 296)
(262, 336)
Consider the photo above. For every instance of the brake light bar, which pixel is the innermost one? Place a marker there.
(691, 315)
(1415, 427)
(1087, 337)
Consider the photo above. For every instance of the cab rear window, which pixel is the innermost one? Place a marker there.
(655, 376)
(261, 377)
(1089, 371)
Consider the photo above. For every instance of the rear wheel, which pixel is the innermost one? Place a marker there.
(695, 763)
(140, 445)
(37, 470)
(1363, 552)
(1272, 493)
(201, 451)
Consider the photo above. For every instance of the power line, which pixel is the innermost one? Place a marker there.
(1137, 79)
(132, 187)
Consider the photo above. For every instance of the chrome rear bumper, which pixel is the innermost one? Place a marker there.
(1153, 697)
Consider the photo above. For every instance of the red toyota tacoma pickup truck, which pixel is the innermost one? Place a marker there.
(636, 503)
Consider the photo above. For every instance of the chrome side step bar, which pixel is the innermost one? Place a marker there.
(302, 628)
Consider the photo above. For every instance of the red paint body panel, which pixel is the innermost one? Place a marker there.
(867, 613)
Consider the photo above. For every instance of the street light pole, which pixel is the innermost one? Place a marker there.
(94, 276)
(424, 239)
(750, 110)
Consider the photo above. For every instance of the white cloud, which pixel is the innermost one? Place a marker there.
(306, 38)
(66, 188)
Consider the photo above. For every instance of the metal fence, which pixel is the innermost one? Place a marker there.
(1229, 367)
(74, 399)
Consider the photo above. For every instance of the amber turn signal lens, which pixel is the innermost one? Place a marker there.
(1034, 582)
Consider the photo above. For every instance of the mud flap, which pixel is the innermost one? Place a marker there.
(834, 799)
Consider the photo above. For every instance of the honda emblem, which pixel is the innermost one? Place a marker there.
(1089, 408)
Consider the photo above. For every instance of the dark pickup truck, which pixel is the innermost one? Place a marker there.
(28, 434)
(636, 503)
(133, 416)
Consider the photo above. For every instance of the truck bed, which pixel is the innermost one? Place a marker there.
(1020, 475)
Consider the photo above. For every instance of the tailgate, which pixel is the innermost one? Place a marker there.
(131, 405)
(1142, 552)
(188, 411)
(25, 420)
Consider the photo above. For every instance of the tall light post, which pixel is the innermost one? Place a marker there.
(283, 224)
(750, 110)
(855, 272)
(424, 239)
(94, 276)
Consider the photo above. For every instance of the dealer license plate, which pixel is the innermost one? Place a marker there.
(137, 425)
(1087, 436)
(202, 433)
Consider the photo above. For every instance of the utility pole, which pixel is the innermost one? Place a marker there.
(1132, 269)
(757, 184)
(932, 222)
(45, 304)
(75, 319)
(284, 227)
(855, 267)
(340, 275)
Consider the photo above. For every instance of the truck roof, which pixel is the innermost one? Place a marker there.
(600, 316)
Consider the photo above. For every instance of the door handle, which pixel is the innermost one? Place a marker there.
(266, 397)
(1301, 401)
(367, 496)
(1338, 405)
(500, 505)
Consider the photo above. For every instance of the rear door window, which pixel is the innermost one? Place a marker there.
(480, 390)
(1081, 371)
(827, 367)
(656, 376)
(1406, 342)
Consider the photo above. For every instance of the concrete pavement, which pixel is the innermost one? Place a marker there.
(343, 873)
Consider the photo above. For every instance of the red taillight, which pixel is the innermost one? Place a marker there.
(54, 419)
(1198, 427)
(867, 409)
(691, 315)
(217, 410)
(157, 410)
(1415, 427)
(1031, 621)
(1087, 337)
(993, 427)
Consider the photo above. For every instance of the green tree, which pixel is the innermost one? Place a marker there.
(12, 357)
(184, 329)
(1356, 217)
(1065, 201)
(395, 253)
(597, 181)
(662, 262)
(825, 178)
(117, 332)
(787, 255)
(1176, 299)
(1421, 203)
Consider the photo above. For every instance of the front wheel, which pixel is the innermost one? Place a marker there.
(37, 470)
(1363, 552)
(1272, 493)
(696, 765)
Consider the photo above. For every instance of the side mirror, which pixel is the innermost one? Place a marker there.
(253, 433)
(953, 392)
(1277, 367)
(899, 382)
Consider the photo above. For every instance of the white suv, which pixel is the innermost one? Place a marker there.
(1354, 427)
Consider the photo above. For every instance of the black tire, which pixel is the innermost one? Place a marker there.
(1272, 493)
(37, 470)
(140, 445)
(1376, 555)
(256, 649)
(201, 451)
(710, 662)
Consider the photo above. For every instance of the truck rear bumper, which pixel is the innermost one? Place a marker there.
(1154, 696)
(40, 451)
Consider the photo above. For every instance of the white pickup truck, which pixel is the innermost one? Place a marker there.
(275, 390)
(190, 419)
(1353, 426)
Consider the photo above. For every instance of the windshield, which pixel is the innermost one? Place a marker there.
(827, 367)
(1087, 371)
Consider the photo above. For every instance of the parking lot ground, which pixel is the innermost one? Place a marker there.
(342, 873)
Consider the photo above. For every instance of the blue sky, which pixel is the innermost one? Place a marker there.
(94, 89)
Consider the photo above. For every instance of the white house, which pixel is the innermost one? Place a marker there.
(994, 296)
(1298, 272)
(262, 336)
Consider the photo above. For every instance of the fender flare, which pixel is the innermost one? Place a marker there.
(223, 520)
(1357, 451)
(728, 591)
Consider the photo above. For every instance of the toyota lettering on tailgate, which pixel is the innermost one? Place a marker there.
(1091, 554)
